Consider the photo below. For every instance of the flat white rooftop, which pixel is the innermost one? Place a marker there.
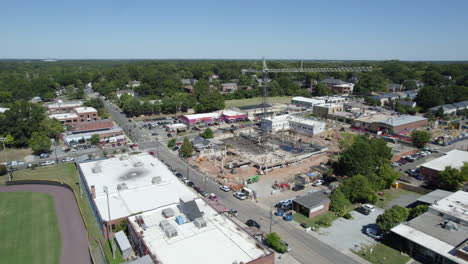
(455, 205)
(140, 194)
(230, 112)
(220, 242)
(454, 158)
(204, 115)
(295, 119)
(65, 104)
(83, 110)
(63, 116)
(308, 100)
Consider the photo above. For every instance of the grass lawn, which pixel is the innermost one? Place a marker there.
(382, 254)
(15, 153)
(257, 100)
(323, 220)
(67, 173)
(30, 232)
(389, 196)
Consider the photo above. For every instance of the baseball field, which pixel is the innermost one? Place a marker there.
(29, 229)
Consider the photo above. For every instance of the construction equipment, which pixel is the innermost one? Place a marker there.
(265, 70)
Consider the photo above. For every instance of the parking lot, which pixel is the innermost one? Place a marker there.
(349, 233)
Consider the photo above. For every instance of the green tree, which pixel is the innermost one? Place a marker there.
(420, 138)
(9, 140)
(171, 143)
(391, 218)
(274, 240)
(339, 203)
(386, 176)
(417, 211)
(208, 133)
(358, 189)
(451, 179)
(95, 139)
(428, 97)
(51, 127)
(321, 90)
(186, 149)
(371, 82)
(364, 156)
(39, 142)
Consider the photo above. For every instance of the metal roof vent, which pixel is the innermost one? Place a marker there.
(200, 222)
(138, 164)
(122, 186)
(168, 228)
(96, 169)
(450, 226)
(156, 180)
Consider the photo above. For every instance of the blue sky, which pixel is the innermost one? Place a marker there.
(347, 29)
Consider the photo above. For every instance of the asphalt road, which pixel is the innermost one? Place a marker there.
(304, 247)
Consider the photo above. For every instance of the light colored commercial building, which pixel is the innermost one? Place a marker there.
(325, 110)
(63, 107)
(307, 102)
(440, 235)
(454, 158)
(297, 124)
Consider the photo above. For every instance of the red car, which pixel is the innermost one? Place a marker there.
(151, 153)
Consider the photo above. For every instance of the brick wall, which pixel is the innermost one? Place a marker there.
(428, 174)
(401, 155)
(414, 125)
(321, 211)
(84, 126)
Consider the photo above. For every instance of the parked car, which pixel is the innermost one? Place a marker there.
(44, 155)
(179, 175)
(203, 193)
(252, 223)
(317, 183)
(224, 188)
(240, 195)
(367, 208)
(373, 233)
(298, 187)
(190, 184)
(197, 189)
(282, 242)
(233, 212)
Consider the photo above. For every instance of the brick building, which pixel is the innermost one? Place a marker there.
(312, 204)
(78, 114)
(324, 110)
(454, 158)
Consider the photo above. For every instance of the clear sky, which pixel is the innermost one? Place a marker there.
(235, 29)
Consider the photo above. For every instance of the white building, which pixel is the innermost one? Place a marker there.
(193, 232)
(441, 234)
(297, 124)
(122, 92)
(306, 102)
(135, 184)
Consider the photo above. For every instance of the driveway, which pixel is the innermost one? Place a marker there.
(347, 234)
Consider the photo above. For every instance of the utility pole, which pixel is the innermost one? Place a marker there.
(109, 224)
(271, 217)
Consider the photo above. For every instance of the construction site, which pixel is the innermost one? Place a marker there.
(279, 146)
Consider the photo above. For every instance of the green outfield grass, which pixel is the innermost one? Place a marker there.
(67, 173)
(29, 229)
(257, 100)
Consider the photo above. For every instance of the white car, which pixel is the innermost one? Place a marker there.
(317, 183)
(224, 188)
(240, 195)
(68, 159)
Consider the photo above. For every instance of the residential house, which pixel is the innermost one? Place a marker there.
(229, 87)
(339, 86)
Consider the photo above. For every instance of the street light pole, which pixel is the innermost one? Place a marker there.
(109, 224)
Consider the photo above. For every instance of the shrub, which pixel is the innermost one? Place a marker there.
(3, 170)
(347, 216)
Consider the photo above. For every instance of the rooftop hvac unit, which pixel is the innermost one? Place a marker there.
(138, 164)
(169, 229)
(96, 169)
(200, 222)
(122, 186)
(156, 180)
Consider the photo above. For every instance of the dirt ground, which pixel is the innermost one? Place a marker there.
(280, 174)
